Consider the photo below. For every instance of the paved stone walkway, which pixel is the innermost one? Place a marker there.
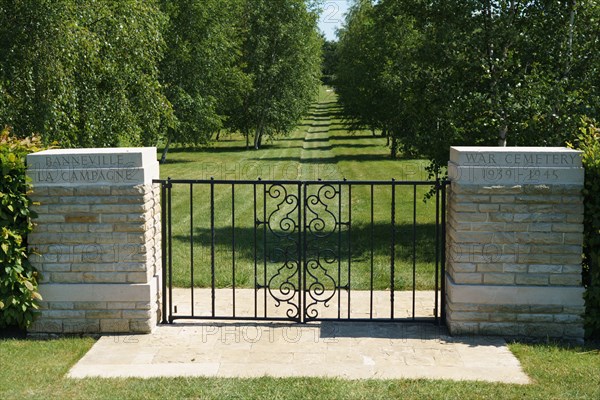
(342, 349)
(363, 304)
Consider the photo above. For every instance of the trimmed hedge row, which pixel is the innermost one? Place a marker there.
(18, 279)
(589, 142)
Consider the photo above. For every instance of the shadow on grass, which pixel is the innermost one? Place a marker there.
(319, 131)
(330, 103)
(340, 128)
(209, 149)
(331, 160)
(357, 145)
(356, 243)
(352, 136)
(241, 147)
(171, 161)
(332, 261)
(319, 160)
(298, 139)
(325, 140)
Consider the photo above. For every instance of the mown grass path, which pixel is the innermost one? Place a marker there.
(317, 149)
(321, 148)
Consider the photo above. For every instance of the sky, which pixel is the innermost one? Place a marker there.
(333, 17)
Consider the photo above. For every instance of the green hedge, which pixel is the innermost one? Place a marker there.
(589, 142)
(18, 278)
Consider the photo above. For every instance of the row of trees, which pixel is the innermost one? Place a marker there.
(436, 73)
(133, 72)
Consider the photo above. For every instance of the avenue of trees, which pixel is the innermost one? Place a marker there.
(142, 72)
(430, 74)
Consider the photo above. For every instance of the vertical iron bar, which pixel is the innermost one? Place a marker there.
(443, 258)
(255, 255)
(372, 251)
(349, 243)
(170, 256)
(414, 271)
(233, 244)
(339, 255)
(393, 255)
(212, 243)
(300, 255)
(165, 243)
(265, 247)
(304, 255)
(437, 249)
(192, 245)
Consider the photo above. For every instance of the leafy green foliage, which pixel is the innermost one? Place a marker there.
(201, 69)
(329, 61)
(589, 142)
(441, 73)
(83, 73)
(134, 72)
(281, 56)
(18, 278)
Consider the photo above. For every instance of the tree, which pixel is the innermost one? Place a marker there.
(83, 73)
(282, 58)
(201, 70)
(356, 70)
(368, 80)
(329, 61)
(458, 72)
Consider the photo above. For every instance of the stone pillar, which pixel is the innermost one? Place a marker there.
(97, 239)
(514, 237)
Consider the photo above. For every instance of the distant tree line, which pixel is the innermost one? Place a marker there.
(430, 74)
(136, 72)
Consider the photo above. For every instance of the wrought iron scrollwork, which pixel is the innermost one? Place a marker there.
(321, 254)
(284, 227)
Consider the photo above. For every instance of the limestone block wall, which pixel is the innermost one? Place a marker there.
(97, 240)
(514, 237)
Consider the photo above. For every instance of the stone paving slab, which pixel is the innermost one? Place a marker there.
(364, 304)
(348, 350)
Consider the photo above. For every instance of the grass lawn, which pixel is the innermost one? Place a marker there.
(321, 148)
(36, 370)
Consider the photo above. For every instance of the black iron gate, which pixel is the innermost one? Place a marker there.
(303, 251)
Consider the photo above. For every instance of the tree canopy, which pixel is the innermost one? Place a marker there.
(135, 72)
(82, 73)
(282, 58)
(201, 70)
(456, 72)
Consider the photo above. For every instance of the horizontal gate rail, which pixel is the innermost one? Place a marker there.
(302, 253)
(296, 182)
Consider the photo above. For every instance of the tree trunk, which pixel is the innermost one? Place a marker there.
(247, 134)
(258, 138)
(259, 132)
(163, 158)
(394, 149)
(502, 136)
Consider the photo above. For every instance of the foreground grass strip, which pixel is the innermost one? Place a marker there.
(36, 370)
